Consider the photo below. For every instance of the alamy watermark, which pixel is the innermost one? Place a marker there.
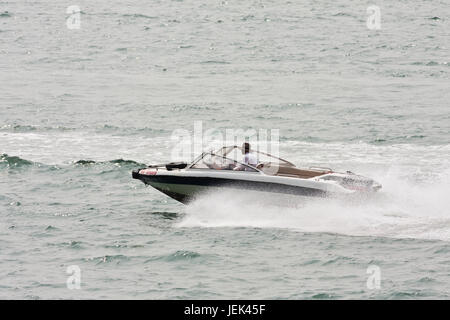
(73, 21)
(74, 280)
(374, 280)
(189, 144)
(374, 18)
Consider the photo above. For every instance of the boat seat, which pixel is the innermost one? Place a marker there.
(292, 171)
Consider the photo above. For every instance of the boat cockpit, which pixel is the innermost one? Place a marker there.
(226, 159)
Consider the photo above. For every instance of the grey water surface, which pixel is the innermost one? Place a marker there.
(81, 108)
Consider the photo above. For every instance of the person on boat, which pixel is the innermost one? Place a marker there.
(249, 158)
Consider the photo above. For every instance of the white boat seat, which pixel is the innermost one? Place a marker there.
(291, 171)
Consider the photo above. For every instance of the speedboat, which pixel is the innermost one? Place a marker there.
(272, 176)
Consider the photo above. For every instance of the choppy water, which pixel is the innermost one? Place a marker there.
(79, 109)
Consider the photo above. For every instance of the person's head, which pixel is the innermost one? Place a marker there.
(245, 147)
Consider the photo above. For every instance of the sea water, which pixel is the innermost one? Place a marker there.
(84, 102)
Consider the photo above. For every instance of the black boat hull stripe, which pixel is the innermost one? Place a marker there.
(231, 183)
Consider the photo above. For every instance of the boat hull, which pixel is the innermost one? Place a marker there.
(186, 188)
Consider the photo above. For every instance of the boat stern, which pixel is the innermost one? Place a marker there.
(352, 182)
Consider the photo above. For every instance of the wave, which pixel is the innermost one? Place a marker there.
(25, 128)
(5, 14)
(180, 255)
(343, 14)
(215, 62)
(8, 161)
(13, 161)
(116, 259)
(138, 15)
(117, 162)
(430, 63)
(34, 128)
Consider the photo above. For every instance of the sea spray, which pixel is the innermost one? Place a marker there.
(403, 209)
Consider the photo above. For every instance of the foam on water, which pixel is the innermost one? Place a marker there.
(403, 209)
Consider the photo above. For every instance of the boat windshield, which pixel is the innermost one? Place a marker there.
(235, 153)
(219, 162)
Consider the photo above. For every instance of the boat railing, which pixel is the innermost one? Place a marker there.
(191, 166)
(320, 168)
(230, 148)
